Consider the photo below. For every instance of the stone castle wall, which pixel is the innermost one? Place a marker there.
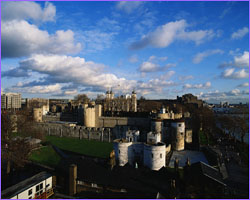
(81, 132)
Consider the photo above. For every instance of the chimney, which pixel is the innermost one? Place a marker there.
(72, 179)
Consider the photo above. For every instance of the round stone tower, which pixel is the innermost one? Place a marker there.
(154, 155)
(123, 152)
(37, 114)
(178, 134)
(157, 125)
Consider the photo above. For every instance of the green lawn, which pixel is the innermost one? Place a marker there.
(203, 138)
(87, 147)
(46, 155)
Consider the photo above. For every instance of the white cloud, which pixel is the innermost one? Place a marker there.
(19, 38)
(74, 70)
(230, 73)
(197, 86)
(244, 85)
(148, 67)
(27, 10)
(154, 58)
(54, 88)
(65, 75)
(240, 33)
(200, 56)
(234, 95)
(243, 60)
(167, 75)
(239, 61)
(164, 35)
(128, 6)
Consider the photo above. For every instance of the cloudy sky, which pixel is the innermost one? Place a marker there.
(160, 49)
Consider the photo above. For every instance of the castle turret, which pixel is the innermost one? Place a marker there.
(134, 101)
(123, 152)
(155, 156)
(178, 134)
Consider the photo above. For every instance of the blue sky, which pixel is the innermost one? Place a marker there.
(160, 49)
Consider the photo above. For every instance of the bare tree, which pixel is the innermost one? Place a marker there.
(243, 126)
(15, 148)
(82, 98)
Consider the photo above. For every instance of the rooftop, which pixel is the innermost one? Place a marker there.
(23, 185)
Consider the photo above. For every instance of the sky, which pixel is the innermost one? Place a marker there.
(159, 49)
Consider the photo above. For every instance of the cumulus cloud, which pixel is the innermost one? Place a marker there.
(58, 69)
(167, 75)
(65, 75)
(19, 38)
(243, 60)
(239, 61)
(244, 85)
(20, 10)
(15, 73)
(164, 35)
(152, 65)
(234, 95)
(230, 73)
(154, 86)
(147, 67)
(155, 58)
(128, 6)
(240, 33)
(39, 89)
(200, 56)
(197, 86)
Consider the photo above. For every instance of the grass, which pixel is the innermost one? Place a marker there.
(87, 147)
(46, 155)
(203, 138)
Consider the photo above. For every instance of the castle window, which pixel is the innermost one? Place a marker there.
(119, 151)
(152, 155)
(179, 125)
(160, 155)
(30, 192)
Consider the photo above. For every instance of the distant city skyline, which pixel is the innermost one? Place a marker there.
(160, 49)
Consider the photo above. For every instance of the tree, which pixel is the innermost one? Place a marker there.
(82, 98)
(15, 127)
(142, 98)
(243, 126)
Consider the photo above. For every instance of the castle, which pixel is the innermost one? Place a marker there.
(125, 103)
(152, 153)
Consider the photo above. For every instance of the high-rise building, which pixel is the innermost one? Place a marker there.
(10, 100)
